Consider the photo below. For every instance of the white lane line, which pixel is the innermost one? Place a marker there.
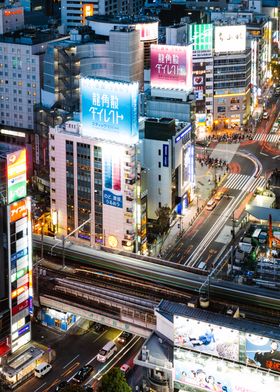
(276, 156)
(40, 387)
(262, 153)
(72, 360)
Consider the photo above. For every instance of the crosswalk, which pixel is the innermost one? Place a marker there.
(271, 138)
(240, 182)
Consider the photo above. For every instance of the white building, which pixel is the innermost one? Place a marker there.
(74, 12)
(11, 19)
(21, 56)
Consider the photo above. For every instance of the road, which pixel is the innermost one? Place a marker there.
(203, 244)
(74, 351)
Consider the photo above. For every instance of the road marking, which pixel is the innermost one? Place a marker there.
(68, 371)
(50, 386)
(262, 153)
(276, 156)
(40, 387)
(72, 360)
(272, 138)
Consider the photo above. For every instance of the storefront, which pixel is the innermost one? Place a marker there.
(55, 318)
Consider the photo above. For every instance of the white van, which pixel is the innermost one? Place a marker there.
(42, 369)
(106, 352)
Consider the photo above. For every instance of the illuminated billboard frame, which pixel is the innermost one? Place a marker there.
(211, 374)
(202, 36)
(171, 67)
(88, 10)
(109, 110)
(230, 38)
(16, 174)
(112, 177)
(148, 31)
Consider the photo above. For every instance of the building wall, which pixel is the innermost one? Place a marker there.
(11, 19)
(113, 222)
(72, 11)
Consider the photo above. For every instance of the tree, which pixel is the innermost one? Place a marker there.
(163, 219)
(114, 381)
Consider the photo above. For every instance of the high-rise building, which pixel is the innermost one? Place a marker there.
(93, 167)
(15, 251)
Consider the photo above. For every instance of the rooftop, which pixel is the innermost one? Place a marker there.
(6, 148)
(123, 19)
(29, 36)
(169, 309)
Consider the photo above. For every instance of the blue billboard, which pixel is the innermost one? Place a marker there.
(112, 177)
(109, 110)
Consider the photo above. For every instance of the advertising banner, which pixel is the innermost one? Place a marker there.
(88, 10)
(202, 36)
(112, 177)
(165, 155)
(212, 374)
(171, 67)
(206, 338)
(16, 170)
(198, 80)
(148, 31)
(18, 210)
(109, 110)
(230, 38)
(263, 352)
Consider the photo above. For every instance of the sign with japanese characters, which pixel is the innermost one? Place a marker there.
(171, 67)
(109, 110)
(202, 37)
(112, 177)
(16, 171)
(230, 38)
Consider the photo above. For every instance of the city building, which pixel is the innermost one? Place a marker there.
(193, 348)
(168, 157)
(65, 62)
(94, 172)
(11, 19)
(15, 251)
(148, 27)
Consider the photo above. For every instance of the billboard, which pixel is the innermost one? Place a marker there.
(202, 36)
(16, 174)
(263, 352)
(148, 31)
(109, 110)
(212, 374)
(18, 210)
(206, 338)
(230, 38)
(88, 10)
(171, 67)
(112, 177)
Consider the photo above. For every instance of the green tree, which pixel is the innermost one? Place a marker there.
(163, 219)
(114, 381)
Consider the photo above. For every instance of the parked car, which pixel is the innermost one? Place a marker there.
(125, 369)
(219, 195)
(83, 374)
(211, 205)
(42, 369)
(265, 115)
(124, 337)
(98, 327)
(61, 386)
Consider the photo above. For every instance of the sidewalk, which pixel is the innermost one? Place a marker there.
(205, 186)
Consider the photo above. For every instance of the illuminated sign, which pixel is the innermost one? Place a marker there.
(207, 338)
(12, 133)
(186, 133)
(18, 210)
(171, 67)
(230, 38)
(112, 178)
(16, 173)
(263, 352)
(165, 155)
(211, 374)
(11, 12)
(202, 36)
(18, 308)
(109, 110)
(87, 11)
(148, 31)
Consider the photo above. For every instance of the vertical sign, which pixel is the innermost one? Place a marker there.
(16, 168)
(112, 178)
(165, 155)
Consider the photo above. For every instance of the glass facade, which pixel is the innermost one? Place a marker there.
(84, 188)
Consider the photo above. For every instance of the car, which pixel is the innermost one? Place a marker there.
(265, 115)
(211, 205)
(61, 386)
(98, 327)
(125, 369)
(219, 195)
(83, 374)
(124, 337)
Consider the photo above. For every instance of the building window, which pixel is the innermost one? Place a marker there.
(159, 152)
(159, 164)
(159, 205)
(159, 177)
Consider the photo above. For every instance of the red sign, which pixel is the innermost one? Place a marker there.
(18, 210)
(171, 67)
(18, 308)
(13, 12)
